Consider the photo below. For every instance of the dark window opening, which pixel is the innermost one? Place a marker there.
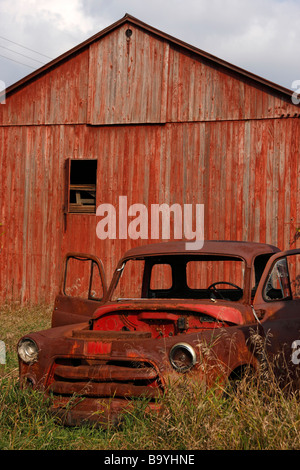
(82, 186)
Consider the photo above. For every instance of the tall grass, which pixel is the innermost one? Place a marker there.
(254, 415)
(16, 321)
(249, 417)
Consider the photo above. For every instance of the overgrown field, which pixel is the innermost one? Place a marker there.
(257, 416)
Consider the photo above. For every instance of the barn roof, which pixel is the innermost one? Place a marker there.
(130, 20)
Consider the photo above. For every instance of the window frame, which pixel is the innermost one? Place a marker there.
(77, 208)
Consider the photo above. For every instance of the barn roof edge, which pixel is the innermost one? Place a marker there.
(127, 18)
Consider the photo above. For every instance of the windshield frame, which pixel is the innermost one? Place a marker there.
(166, 258)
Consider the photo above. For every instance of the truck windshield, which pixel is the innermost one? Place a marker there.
(181, 277)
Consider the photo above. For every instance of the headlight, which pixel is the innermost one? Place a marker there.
(182, 357)
(28, 350)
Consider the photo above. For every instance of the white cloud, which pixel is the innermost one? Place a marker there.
(63, 15)
(261, 36)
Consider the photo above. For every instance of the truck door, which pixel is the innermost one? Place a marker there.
(277, 302)
(83, 288)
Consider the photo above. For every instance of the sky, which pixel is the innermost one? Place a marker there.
(260, 36)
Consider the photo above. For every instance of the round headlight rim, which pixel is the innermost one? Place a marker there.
(22, 354)
(192, 353)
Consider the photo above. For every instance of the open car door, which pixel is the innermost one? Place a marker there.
(277, 304)
(83, 288)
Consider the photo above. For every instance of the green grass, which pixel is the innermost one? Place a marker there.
(256, 416)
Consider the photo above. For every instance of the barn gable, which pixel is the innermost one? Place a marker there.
(131, 73)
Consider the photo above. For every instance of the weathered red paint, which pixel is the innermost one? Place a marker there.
(97, 347)
(168, 123)
(107, 366)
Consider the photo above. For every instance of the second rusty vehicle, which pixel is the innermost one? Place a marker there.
(168, 312)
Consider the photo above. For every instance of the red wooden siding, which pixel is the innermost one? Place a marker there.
(201, 91)
(58, 97)
(128, 78)
(245, 173)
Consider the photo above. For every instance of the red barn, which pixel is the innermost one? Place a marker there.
(134, 112)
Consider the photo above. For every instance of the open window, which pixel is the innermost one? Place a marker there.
(82, 289)
(283, 282)
(81, 182)
(84, 277)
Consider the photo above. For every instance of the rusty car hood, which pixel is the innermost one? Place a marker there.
(222, 311)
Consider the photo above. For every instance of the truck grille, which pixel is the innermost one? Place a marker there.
(117, 379)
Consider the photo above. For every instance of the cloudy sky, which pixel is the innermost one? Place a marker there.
(261, 36)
